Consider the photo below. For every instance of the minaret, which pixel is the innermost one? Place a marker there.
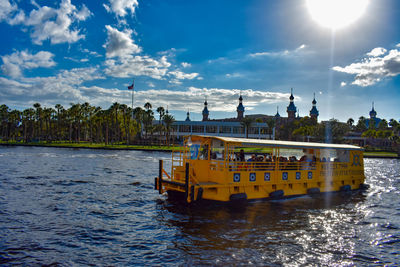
(372, 113)
(205, 111)
(277, 115)
(291, 109)
(187, 116)
(240, 108)
(314, 113)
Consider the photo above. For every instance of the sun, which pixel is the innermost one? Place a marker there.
(336, 14)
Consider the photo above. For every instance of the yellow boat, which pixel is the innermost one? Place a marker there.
(225, 169)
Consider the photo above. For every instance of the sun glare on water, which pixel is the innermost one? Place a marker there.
(336, 14)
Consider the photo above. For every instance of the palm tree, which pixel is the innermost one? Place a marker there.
(161, 112)
(147, 106)
(14, 122)
(148, 120)
(4, 113)
(148, 117)
(168, 121)
(138, 113)
(116, 130)
(271, 126)
(350, 122)
(246, 123)
(58, 108)
(48, 114)
(27, 118)
(38, 127)
(126, 116)
(383, 125)
(75, 118)
(361, 124)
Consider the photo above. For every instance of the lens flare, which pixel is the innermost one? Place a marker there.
(336, 14)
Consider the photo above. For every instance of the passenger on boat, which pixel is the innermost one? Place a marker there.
(204, 153)
(241, 155)
(252, 160)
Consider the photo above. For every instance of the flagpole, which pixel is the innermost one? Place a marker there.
(132, 87)
(132, 103)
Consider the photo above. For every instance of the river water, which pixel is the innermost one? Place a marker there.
(72, 207)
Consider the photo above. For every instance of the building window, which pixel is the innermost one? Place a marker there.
(184, 128)
(197, 129)
(225, 129)
(211, 129)
(238, 130)
(264, 130)
(253, 130)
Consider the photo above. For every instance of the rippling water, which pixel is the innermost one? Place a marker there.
(81, 207)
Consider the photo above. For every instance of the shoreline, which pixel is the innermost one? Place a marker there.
(383, 155)
(140, 148)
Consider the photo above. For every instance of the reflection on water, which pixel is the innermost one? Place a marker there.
(295, 231)
(80, 207)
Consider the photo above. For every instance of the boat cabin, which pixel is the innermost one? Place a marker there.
(224, 169)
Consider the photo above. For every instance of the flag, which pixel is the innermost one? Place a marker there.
(131, 86)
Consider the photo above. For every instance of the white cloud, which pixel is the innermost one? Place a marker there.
(120, 44)
(182, 76)
(343, 84)
(136, 66)
(283, 53)
(63, 88)
(121, 7)
(234, 75)
(123, 60)
(373, 69)
(186, 65)
(14, 64)
(69, 86)
(93, 53)
(376, 52)
(49, 23)
(218, 99)
(6, 9)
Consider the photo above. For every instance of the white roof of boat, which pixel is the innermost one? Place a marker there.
(280, 143)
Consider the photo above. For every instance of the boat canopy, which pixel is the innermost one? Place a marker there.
(276, 143)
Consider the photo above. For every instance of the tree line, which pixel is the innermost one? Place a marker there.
(119, 124)
(83, 122)
(308, 129)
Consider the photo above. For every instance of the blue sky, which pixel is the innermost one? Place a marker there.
(181, 52)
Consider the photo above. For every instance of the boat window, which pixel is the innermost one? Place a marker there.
(217, 150)
(335, 155)
(343, 155)
(245, 153)
(293, 154)
(204, 152)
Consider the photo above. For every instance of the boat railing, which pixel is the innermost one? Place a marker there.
(255, 166)
(217, 165)
(177, 158)
(297, 166)
(265, 166)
